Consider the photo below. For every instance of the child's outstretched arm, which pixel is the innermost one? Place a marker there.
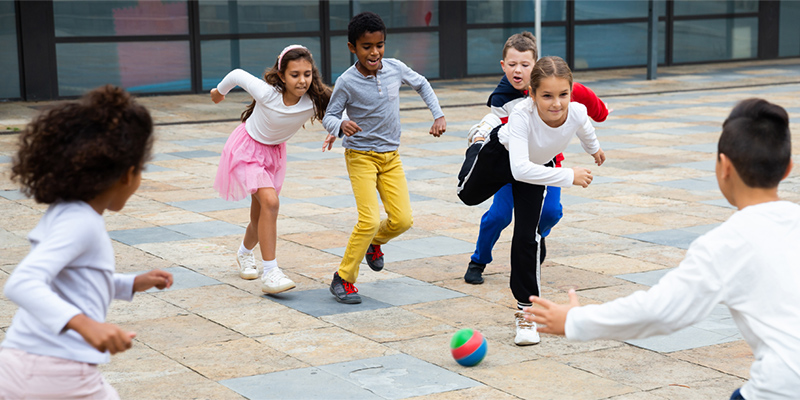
(155, 278)
(595, 108)
(552, 317)
(216, 96)
(424, 89)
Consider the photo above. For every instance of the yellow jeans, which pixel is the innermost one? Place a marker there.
(369, 171)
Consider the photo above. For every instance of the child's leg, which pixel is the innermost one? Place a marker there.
(485, 170)
(29, 376)
(265, 210)
(552, 211)
(493, 222)
(363, 170)
(525, 245)
(393, 189)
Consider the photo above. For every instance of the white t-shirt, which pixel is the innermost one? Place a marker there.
(272, 121)
(69, 271)
(531, 143)
(751, 264)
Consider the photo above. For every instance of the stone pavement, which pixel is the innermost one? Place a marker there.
(215, 336)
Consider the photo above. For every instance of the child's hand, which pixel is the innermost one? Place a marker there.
(216, 96)
(599, 157)
(103, 337)
(583, 177)
(158, 278)
(552, 317)
(439, 126)
(350, 128)
(328, 143)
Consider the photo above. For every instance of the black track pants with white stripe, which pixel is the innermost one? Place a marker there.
(485, 170)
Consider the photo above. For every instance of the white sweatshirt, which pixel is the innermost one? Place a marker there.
(272, 121)
(69, 271)
(751, 264)
(531, 143)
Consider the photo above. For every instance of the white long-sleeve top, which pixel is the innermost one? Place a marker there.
(531, 143)
(272, 121)
(69, 271)
(751, 264)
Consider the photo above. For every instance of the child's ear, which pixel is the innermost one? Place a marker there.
(725, 166)
(128, 176)
(351, 47)
(502, 64)
(788, 169)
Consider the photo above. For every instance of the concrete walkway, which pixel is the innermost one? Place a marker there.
(215, 336)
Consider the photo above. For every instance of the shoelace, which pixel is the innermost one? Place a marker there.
(349, 287)
(376, 252)
(523, 323)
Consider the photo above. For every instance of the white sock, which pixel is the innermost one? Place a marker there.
(244, 250)
(269, 265)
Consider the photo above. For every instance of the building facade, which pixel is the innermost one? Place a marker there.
(61, 48)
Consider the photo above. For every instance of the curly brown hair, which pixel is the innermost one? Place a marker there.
(76, 150)
(318, 91)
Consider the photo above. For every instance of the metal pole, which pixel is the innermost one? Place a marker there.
(652, 40)
(537, 25)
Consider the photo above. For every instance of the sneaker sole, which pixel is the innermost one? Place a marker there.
(248, 276)
(344, 301)
(474, 282)
(525, 343)
(279, 289)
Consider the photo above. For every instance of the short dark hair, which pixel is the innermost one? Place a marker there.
(756, 138)
(362, 23)
(78, 149)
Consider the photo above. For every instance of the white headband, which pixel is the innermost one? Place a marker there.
(286, 50)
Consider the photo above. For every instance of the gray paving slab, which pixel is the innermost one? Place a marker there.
(194, 154)
(703, 148)
(648, 278)
(570, 200)
(404, 291)
(200, 142)
(423, 174)
(399, 376)
(5, 159)
(183, 278)
(718, 203)
(155, 234)
(684, 339)
(689, 130)
(320, 302)
(164, 157)
(442, 145)
(699, 184)
(12, 194)
(207, 205)
(150, 168)
(298, 384)
(313, 155)
(403, 250)
(679, 238)
(199, 230)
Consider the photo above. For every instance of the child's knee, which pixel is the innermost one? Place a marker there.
(496, 217)
(400, 223)
(369, 224)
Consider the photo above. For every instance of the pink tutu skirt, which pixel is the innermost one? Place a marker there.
(247, 165)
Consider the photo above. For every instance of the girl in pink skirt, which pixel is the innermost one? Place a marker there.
(253, 160)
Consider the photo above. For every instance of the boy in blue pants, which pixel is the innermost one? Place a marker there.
(750, 263)
(519, 56)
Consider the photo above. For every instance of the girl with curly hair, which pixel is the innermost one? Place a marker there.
(253, 160)
(81, 158)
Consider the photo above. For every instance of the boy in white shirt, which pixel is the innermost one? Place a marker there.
(750, 263)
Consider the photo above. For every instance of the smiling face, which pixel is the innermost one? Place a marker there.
(297, 79)
(552, 100)
(369, 52)
(517, 66)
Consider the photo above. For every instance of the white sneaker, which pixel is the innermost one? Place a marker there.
(526, 331)
(247, 266)
(275, 281)
(483, 128)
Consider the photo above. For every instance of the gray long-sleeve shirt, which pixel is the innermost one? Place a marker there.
(373, 102)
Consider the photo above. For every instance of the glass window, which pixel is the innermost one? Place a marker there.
(394, 13)
(118, 18)
(498, 11)
(789, 36)
(715, 39)
(340, 56)
(602, 9)
(485, 47)
(418, 50)
(617, 45)
(252, 16)
(252, 55)
(149, 67)
(9, 60)
(705, 7)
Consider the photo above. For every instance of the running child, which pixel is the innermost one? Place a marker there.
(750, 263)
(521, 153)
(519, 57)
(253, 161)
(82, 158)
(370, 93)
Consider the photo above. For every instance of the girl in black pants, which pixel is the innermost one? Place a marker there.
(521, 153)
